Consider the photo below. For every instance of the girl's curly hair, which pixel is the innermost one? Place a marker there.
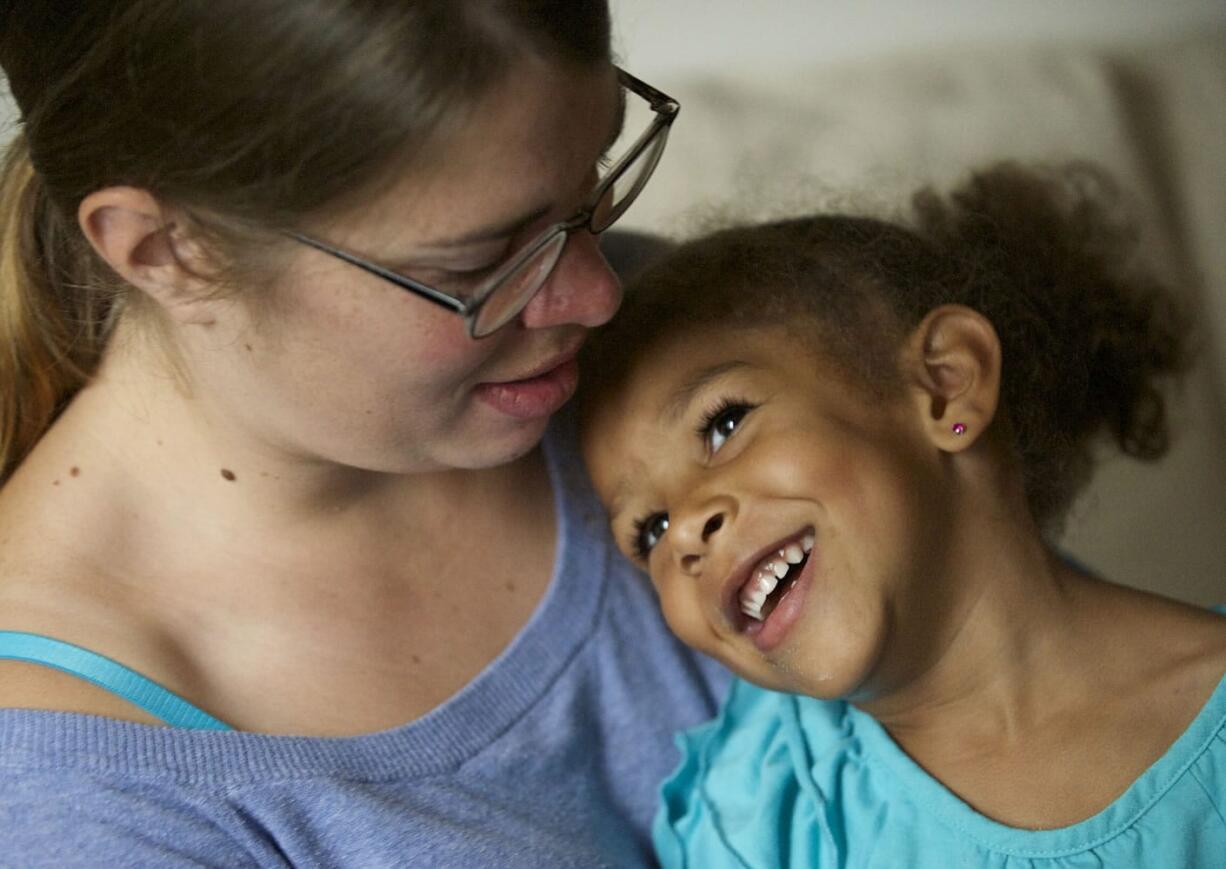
(1046, 254)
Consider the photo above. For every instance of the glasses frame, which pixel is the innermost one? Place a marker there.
(665, 108)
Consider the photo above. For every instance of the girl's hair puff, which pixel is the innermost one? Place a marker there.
(1046, 254)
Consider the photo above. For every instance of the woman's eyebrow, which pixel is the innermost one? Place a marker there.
(515, 225)
(619, 122)
(493, 232)
(679, 399)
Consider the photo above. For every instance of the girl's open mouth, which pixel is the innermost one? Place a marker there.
(774, 576)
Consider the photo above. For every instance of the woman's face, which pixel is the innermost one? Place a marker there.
(345, 367)
(790, 524)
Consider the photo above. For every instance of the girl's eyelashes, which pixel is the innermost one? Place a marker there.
(719, 423)
(647, 533)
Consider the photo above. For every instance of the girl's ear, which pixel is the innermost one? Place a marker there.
(131, 231)
(952, 361)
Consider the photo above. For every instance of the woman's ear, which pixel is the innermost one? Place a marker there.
(952, 361)
(130, 229)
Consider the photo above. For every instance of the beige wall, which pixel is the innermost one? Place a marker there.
(667, 37)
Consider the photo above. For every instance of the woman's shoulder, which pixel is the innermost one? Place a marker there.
(25, 685)
(43, 599)
(54, 583)
(52, 815)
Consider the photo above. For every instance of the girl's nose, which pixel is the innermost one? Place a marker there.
(581, 290)
(694, 532)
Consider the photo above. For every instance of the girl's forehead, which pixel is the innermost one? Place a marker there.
(653, 403)
(640, 432)
(679, 368)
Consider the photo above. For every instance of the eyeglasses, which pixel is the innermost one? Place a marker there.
(500, 297)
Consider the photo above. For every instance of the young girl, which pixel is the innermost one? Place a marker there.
(841, 448)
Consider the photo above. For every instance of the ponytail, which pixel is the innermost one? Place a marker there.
(1088, 333)
(51, 334)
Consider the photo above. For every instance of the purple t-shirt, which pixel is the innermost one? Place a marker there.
(551, 757)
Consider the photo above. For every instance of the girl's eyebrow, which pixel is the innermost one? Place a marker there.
(617, 502)
(679, 399)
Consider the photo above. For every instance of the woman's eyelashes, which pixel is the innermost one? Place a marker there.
(457, 279)
(719, 423)
(647, 533)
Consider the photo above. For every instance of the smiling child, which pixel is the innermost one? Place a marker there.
(842, 447)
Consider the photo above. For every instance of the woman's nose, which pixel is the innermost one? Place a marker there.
(581, 290)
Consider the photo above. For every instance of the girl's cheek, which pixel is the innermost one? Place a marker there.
(684, 616)
(677, 614)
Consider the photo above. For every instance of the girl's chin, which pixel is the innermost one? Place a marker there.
(811, 683)
(825, 672)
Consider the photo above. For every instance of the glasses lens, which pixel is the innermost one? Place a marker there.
(629, 184)
(518, 287)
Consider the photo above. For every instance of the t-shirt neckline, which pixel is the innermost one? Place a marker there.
(464, 725)
(1121, 814)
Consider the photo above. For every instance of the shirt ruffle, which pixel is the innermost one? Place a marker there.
(782, 780)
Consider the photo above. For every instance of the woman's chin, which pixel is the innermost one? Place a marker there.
(506, 444)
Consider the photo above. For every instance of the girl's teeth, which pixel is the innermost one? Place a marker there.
(767, 576)
(755, 595)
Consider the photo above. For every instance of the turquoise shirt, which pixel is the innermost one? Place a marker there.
(783, 780)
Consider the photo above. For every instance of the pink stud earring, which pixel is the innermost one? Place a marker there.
(959, 429)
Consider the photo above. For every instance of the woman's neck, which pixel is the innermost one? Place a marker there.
(136, 458)
(123, 533)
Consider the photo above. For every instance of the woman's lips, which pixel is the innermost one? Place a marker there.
(533, 397)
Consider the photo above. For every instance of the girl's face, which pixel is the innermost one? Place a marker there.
(346, 367)
(788, 521)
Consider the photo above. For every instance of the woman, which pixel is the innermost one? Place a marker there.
(292, 290)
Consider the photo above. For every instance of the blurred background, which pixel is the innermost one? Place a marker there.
(793, 105)
(668, 37)
(796, 105)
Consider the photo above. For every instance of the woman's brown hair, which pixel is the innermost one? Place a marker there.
(245, 116)
(1048, 255)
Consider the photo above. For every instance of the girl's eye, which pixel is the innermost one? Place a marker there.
(720, 423)
(647, 533)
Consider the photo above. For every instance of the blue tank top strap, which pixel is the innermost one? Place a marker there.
(110, 675)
